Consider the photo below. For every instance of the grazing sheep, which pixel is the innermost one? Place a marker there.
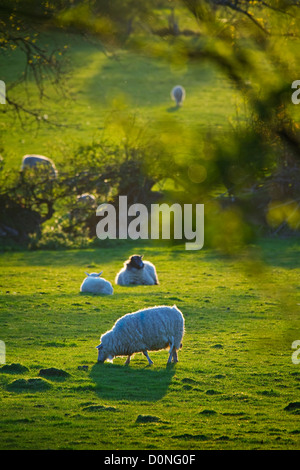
(137, 272)
(94, 284)
(178, 95)
(34, 161)
(151, 329)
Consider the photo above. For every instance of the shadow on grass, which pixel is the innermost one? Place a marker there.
(172, 109)
(106, 252)
(119, 382)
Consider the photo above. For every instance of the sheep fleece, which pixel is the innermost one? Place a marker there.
(150, 329)
(145, 276)
(96, 285)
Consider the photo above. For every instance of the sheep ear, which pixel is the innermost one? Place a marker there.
(86, 273)
(142, 256)
(99, 347)
(100, 273)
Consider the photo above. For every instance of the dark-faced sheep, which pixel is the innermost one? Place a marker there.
(137, 272)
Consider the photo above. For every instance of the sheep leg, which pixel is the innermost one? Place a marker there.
(171, 353)
(127, 360)
(175, 356)
(147, 356)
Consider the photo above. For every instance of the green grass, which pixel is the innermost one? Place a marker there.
(235, 376)
(228, 391)
(99, 89)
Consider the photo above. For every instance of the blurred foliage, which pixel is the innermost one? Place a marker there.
(248, 176)
(22, 26)
(255, 44)
(40, 210)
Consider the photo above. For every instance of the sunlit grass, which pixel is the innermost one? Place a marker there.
(228, 391)
(97, 88)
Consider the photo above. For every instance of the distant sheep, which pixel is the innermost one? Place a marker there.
(86, 199)
(152, 329)
(178, 95)
(34, 161)
(94, 284)
(137, 272)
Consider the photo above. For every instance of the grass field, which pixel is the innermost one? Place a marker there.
(235, 386)
(99, 88)
(230, 389)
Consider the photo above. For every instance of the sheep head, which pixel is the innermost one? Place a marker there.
(103, 355)
(94, 274)
(135, 261)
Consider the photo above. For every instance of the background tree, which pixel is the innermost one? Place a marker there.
(254, 170)
(25, 30)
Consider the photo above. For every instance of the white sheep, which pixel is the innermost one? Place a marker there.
(178, 94)
(95, 284)
(152, 329)
(137, 272)
(34, 161)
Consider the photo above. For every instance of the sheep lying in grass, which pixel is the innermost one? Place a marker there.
(36, 161)
(137, 272)
(178, 95)
(151, 329)
(94, 284)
